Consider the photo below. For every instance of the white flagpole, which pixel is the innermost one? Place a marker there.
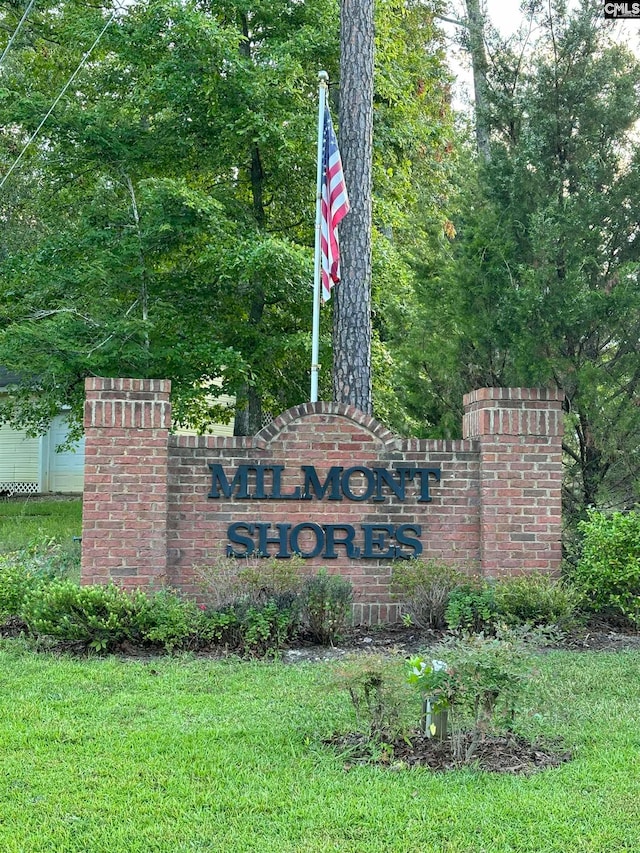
(323, 77)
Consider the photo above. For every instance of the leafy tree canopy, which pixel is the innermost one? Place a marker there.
(161, 225)
(542, 282)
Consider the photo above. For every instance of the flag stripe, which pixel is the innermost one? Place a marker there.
(334, 207)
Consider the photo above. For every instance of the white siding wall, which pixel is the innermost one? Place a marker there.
(18, 456)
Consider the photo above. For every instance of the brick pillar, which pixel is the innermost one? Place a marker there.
(519, 432)
(124, 531)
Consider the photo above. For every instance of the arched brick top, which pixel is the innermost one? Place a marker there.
(387, 438)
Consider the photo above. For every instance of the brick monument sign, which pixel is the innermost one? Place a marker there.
(324, 481)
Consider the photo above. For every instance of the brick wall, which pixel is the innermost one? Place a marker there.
(149, 516)
(124, 515)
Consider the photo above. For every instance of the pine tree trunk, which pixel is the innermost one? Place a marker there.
(352, 297)
(475, 23)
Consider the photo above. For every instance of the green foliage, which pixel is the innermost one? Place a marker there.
(30, 570)
(255, 608)
(326, 606)
(171, 621)
(432, 680)
(99, 617)
(540, 284)
(479, 679)
(425, 587)
(228, 581)
(608, 571)
(260, 605)
(378, 695)
(537, 599)
(169, 232)
(16, 581)
(472, 608)
(255, 627)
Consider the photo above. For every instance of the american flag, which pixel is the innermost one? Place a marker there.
(334, 207)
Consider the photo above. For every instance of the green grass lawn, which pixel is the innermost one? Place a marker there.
(28, 522)
(175, 755)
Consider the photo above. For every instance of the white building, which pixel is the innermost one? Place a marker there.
(35, 466)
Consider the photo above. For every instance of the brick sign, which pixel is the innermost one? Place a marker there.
(356, 483)
(324, 481)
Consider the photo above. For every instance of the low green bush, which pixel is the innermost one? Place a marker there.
(25, 571)
(424, 588)
(99, 617)
(253, 627)
(16, 581)
(229, 580)
(608, 571)
(326, 606)
(258, 611)
(537, 599)
(472, 608)
(171, 621)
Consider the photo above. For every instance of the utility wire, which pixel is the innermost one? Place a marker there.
(64, 89)
(16, 31)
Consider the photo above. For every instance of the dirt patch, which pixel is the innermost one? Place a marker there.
(403, 642)
(494, 754)
(13, 627)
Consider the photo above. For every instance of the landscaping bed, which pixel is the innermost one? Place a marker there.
(494, 753)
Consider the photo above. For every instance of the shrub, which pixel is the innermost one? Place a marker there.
(253, 627)
(16, 581)
(255, 608)
(23, 572)
(326, 606)
(472, 608)
(425, 588)
(99, 617)
(479, 680)
(537, 599)
(170, 620)
(255, 579)
(608, 571)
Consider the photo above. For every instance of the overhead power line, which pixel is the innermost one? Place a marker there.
(16, 31)
(61, 94)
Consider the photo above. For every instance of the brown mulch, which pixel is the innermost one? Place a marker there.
(494, 753)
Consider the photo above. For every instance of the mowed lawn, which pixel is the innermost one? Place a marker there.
(29, 522)
(174, 755)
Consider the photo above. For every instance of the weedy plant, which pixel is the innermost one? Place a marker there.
(472, 608)
(29, 569)
(228, 580)
(379, 697)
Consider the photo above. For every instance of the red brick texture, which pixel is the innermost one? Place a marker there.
(124, 524)
(519, 436)
(149, 519)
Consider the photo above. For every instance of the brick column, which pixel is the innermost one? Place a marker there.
(519, 433)
(124, 535)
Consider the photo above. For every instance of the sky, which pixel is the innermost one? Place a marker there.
(506, 17)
